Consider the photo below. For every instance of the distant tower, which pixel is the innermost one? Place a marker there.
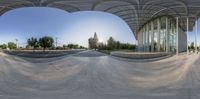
(95, 40)
(95, 37)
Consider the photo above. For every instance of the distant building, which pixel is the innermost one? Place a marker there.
(93, 41)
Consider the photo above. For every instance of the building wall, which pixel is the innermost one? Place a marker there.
(159, 35)
(182, 41)
(140, 42)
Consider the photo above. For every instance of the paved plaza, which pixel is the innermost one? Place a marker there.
(93, 75)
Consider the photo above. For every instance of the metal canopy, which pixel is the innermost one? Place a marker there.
(135, 12)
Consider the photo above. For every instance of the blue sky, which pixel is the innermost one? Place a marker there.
(191, 35)
(75, 27)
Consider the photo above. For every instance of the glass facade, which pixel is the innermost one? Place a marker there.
(150, 36)
(163, 34)
(172, 35)
(161, 37)
(155, 40)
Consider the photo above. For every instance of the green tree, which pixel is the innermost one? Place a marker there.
(102, 46)
(65, 46)
(111, 43)
(33, 42)
(191, 47)
(46, 42)
(118, 45)
(12, 45)
(91, 43)
(82, 47)
(4, 46)
(73, 46)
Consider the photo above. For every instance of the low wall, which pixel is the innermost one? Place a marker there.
(41, 54)
(139, 55)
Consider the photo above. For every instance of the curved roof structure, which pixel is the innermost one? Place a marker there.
(135, 12)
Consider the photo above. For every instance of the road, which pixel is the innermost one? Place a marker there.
(93, 75)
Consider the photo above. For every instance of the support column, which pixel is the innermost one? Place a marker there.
(143, 31)
(144, 39)
(140, 41)
(158, 33)
(196, 35)
(187, 34)
(177, 36)
(152, 36)
(167, 34)
(147, 31)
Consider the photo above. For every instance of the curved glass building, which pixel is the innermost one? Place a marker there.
(159, 35)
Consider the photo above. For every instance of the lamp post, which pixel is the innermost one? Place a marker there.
(56, 41)
(16, 40)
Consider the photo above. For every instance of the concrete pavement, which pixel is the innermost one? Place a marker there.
(93, 75)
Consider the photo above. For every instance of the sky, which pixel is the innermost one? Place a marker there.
(191, 34)
(77, 27)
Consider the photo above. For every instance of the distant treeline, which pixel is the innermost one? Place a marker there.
(191, 47)
(112, 44)
(10, 45)
(43, 43)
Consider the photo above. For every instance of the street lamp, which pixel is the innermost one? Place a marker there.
(16, 42)
(56, 41)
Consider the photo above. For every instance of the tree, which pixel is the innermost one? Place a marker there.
(4, 46)
(59, 48)
(65, 46)
(82, 47)
(33, 42)
(73, 46)
(46, 42)
(191, 47)
(12, 45)
(102, 46)
(91, 43)
(111, 43)
(118, 45)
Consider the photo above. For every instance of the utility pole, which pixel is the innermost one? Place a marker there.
(16, 42)
(56, 41)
